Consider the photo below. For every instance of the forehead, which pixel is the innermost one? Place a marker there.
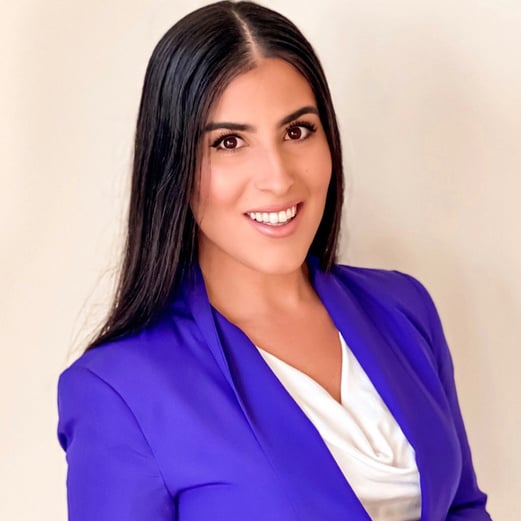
(272, 89)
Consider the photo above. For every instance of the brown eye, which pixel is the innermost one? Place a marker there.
(295, 133)
(229, 142)
(299, 131)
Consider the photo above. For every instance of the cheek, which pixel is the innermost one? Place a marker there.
(218, 191)
(319, 170)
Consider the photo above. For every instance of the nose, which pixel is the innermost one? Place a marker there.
(275, 171)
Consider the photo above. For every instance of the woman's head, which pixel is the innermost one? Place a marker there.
(264, 176)
(188, 72)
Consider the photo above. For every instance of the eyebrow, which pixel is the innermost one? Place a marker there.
(228, 125)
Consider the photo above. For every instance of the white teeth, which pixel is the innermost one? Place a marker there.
(274, 218)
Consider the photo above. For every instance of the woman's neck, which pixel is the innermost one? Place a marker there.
(241, 293)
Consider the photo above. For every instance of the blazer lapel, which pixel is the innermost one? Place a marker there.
(306, 469)
(302, 462)
(379, 347)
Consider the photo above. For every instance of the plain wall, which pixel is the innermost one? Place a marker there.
(428, 96)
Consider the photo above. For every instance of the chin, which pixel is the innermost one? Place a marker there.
(276, 263)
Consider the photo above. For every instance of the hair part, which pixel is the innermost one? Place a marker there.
(188, 71)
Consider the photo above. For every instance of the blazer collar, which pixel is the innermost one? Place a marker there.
(301, 459)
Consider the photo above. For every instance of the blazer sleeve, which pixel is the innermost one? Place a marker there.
(469, 501)
(112, 473)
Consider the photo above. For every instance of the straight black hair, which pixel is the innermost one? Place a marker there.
(189, 69)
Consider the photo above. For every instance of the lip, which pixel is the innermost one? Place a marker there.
(281, 231)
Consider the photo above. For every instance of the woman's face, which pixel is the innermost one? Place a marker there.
(266, 169)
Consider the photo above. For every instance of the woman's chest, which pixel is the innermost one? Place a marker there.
(311, 346)
(231, 453)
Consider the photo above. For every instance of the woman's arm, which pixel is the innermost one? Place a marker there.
(112, 473)
(469, 502)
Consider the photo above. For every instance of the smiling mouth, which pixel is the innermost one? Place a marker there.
(274, 218)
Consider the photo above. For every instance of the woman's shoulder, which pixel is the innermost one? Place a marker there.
(393, 283)
(395, 290)
(140, 358)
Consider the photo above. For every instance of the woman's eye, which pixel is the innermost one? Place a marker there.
(295, 133)
(227, 143)
(299, 132)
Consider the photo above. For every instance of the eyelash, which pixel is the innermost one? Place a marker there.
(306, 124)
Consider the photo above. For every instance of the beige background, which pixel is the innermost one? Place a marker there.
(429, 100)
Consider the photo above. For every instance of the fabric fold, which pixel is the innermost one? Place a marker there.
(362, 435)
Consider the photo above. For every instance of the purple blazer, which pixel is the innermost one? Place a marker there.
(185, 421)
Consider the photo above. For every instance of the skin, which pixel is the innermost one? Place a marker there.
(259, 154)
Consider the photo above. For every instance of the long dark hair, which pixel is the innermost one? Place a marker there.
(188, 70)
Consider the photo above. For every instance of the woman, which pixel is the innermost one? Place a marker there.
(242, 374)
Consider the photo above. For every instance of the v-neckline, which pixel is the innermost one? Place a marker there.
(372, 325)
(310, 380)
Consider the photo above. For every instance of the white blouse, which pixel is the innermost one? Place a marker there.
(362, 435)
